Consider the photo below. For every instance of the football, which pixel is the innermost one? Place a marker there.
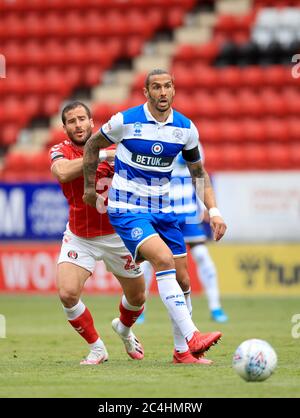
(254, 360)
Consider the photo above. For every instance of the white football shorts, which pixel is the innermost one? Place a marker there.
(85, 252)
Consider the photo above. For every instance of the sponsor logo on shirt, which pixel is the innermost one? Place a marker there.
(137, 129)
(149, 161)
(157, 148)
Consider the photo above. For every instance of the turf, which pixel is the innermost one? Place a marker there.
(40, 356)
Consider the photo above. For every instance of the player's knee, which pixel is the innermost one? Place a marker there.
(163, 262)
(68, 297)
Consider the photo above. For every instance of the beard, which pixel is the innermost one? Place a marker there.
(155, 103)
(80, 142)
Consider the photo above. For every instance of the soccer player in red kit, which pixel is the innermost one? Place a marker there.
(89, 237)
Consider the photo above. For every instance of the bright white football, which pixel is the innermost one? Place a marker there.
(254, 360)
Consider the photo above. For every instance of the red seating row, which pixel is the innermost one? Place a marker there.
(71, 52)
(191, 75)
(252, 157)
(92, 23)
(26, 167)
(249, 130)
(45, 5)
(244, 103)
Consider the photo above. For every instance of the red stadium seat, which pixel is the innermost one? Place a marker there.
(209, 132)
(255, 157)
(276, 130)
(206, 106)
(254, 130)
(252, 76)
(231, 131)
(279, 157)
(230, 77)
(213, 158)
(293, 126)
(294, 150)
(233, 157)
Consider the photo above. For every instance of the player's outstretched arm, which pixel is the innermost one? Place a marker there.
(205, 192)
(90, 163)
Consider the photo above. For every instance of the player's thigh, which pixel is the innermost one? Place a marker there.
(71, 278)
(156, 251)
(182, 274)
(76, 263)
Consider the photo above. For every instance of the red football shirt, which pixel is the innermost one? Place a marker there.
(84, 220)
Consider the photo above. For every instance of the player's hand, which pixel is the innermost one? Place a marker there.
(90, 197)
(218, 227)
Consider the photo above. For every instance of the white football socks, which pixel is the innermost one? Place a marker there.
(75, 311)
(174, 300)
(207, 272)
(179, 341)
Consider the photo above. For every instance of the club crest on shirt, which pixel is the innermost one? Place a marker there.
(136, 233)
(157, 148)
(72, 254)
(177, 133)
(137, 129)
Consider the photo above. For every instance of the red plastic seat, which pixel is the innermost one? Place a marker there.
(252, 76)
(230, 77)
(279, 157)
(228, 104)
(293, 126)
(231, 131)
(276, 130)
(208, 131)
(250, 104)
(255, 157)
(206, 106)
(275, 76)
(233, 157)
(206, 77)
(213, 158)
(9, 134)
(254, 130)
(294, 150)
(274, 104)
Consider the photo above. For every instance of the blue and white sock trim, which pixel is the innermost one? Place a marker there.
(165, 274)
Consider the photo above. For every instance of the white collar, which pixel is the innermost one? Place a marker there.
(150, 117)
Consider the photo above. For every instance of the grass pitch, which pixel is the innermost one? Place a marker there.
(41, 353)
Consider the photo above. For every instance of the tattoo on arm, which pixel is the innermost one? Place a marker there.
(91, 158)
(202, 184)
(198, 172)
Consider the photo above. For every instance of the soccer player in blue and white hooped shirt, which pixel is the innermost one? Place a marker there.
(149, 137)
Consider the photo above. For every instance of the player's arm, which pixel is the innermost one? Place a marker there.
(205, 191)
(65, 170)
(110, 133)
(90, 163)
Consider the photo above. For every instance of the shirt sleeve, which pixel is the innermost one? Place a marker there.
(193, 140)
(113, 129)
(56, 153)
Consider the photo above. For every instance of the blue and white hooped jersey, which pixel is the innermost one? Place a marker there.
(145, 157)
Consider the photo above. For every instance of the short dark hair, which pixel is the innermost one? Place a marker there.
(157, 71)
(72, 106)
